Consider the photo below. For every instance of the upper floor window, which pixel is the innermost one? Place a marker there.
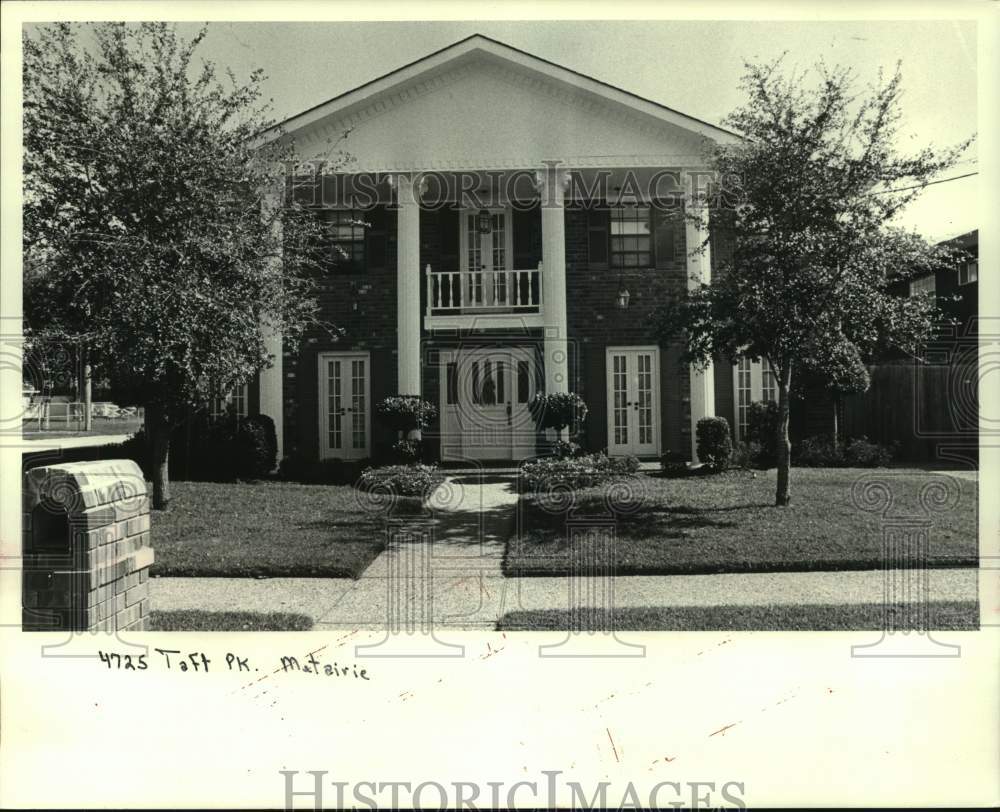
(968, 272)
(925, 284)
(631, 237)
(345, 229)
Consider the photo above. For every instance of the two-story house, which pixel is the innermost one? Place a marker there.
(509, 227)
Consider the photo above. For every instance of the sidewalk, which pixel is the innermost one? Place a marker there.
(477, 601)
(446, 571)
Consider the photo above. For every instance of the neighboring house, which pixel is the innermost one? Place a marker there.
(546, 285)
(928, 408)
(947, 284)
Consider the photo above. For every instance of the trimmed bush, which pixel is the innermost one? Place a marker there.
(322, 472)
(819, 451)
(575, 472)
(404, 452)
(402, 480)
(563, 449)
(255, 447)
(762, 420)
(862, 453)
(405, 412)
(558, 410)
(822, 451)
(715, 446)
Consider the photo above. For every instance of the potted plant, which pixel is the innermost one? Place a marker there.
(406, 413)
(558, 411)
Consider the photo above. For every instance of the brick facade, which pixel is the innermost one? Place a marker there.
(363, 306)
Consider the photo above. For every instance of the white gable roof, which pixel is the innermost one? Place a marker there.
(481, 104)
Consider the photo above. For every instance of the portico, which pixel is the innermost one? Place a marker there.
(514, 199)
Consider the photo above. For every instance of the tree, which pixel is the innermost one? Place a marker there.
(809, 195)
(150, 232)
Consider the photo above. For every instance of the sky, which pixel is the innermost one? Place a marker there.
(691, 66)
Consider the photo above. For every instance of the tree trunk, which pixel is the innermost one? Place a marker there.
(158, 431)
(836, 419)
(783, 445)
(88, 416)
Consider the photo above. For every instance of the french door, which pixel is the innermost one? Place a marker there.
(344, 405)
(486, 259)
(633, 382)
(485, 395)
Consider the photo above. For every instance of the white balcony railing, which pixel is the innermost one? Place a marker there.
(483, 292)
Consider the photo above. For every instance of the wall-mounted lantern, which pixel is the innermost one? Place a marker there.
(623, 295)
(484, 222)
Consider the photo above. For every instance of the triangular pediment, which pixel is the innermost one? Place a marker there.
(483, 105)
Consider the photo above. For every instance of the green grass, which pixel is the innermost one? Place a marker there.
(193, 620)
(243, 530)
(729, 523)
(946, 615)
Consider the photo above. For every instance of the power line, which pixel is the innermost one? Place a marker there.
(922, 185)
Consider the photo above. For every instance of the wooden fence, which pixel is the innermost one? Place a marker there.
(928, 409)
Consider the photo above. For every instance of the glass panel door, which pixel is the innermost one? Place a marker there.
(345, 422)
(633, 401)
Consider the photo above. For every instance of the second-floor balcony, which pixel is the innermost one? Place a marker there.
(483, 293)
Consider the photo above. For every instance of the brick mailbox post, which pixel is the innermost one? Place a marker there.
(86, 547)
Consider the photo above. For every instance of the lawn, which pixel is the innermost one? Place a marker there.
(198, 621)
(265, 529)
(946, 615)
(728, 523)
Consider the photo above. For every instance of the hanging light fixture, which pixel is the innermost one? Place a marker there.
(484, 222)
(623, 294)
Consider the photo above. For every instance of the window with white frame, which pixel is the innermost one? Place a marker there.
(923, 285)
(631, 237)
(345, 239)
(752, 381)
(968, 272)
(232, 403)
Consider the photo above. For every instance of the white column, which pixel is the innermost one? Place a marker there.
(699, 270)
(408, 287)
(551, 185)
(272, 377)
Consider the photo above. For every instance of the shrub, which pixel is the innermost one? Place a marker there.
(563, 449)
(321, 472)
(715, 446)
(859, 452)
(405, 412)
(862, 453)
(820, 451)
(255, 447)
(402, 480)
(558, 410)
(762, 421)
(405, 452)
(575, 472)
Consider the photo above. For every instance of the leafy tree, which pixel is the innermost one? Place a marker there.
(810, 194)
(150, 231)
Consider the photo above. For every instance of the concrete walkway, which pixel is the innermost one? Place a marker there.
(472, 601)
(446, 572)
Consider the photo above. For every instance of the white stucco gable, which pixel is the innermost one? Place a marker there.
(480, 104)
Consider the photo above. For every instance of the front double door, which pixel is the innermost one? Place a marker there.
(633, 401)
(485, 396)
